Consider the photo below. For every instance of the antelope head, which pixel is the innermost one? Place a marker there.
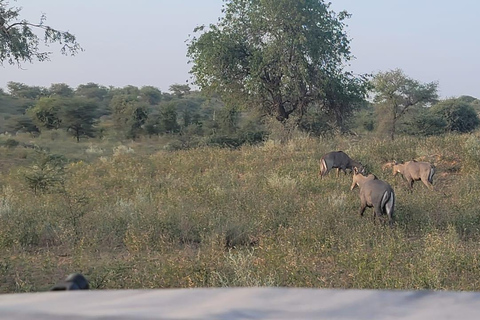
(396, 167)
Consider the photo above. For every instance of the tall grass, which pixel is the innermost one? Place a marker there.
(141, 217)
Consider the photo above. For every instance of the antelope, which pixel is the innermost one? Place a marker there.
(374, 193)
(339, 160)
(413, 171)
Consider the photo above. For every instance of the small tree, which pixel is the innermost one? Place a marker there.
(47, 172)
(60, 89)
(45, 112)
(77, 117)
(168, 118)
(20, 90)
(458, 115)
(422, 121)
(21, 122)
(151, 94)
(395, 94)
(128, 114)
(180, 90)
(92, 91)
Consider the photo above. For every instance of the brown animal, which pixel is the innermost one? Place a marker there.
(413, 171)
(360, 179)
(339, 160)
(374, 193)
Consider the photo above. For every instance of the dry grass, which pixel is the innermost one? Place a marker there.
(135, 216)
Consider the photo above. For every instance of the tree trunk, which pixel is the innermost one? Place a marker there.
(282, 115)
(393, 128)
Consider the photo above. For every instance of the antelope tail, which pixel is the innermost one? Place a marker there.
(388, 203)
(430, 175)
(323, 167)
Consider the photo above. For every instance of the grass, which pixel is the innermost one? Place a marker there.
(134, 215)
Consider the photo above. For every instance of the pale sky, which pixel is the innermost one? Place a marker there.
(142, 42)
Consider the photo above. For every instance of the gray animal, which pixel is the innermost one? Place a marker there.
(413, 171)
(374, 193)
(339, 160)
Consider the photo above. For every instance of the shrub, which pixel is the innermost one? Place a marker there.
(458, 115)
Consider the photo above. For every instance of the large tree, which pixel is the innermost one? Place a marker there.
(396, 93)
(282, 56)
(20, 43)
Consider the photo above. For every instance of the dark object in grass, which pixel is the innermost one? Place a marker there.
(74, 281)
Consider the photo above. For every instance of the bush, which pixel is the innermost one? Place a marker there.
(458, 115)
(11, 143)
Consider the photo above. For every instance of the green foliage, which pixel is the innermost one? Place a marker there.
(151, 94)
(19, 43)
(46, 172)
(422, 121)
(168, 118)
(45, 113)
(317, 122)
(277, 57)
(77, 117)
(128, 114)
(60, 89)
(395, 94)
(180, 90)
(11, 143)
(20, 90)
(228, 119)
(92, 91)
(21, 123)
(459, 116)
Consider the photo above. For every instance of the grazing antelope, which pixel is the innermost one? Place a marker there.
(339, 160)
(413, 171)
(374, 193)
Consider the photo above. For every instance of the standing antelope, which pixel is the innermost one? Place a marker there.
(339, 160)
(413, 171)
(374, 193)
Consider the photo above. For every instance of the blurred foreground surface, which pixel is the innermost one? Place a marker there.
(241, 303)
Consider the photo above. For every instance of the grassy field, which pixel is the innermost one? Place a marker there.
(136, 216)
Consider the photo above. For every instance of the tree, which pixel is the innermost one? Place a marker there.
(128, 114)
(77, 117)
(21, 122)
(279, 56)
(92, 91)
(60, 89)
(45, 112)
(422, 121)
(151, 94)
(20, 90)
(168, 118)
(180, 90)
(395, 93)
(458, 115)
(19, 43)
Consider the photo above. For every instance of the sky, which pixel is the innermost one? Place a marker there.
(142, 42)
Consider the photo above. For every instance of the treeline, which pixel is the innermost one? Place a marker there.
(95, 111)
(190, 119)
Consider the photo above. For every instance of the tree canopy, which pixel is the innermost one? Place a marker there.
(280, 56)
(458, 115)
(19, 43)
(396, 93)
